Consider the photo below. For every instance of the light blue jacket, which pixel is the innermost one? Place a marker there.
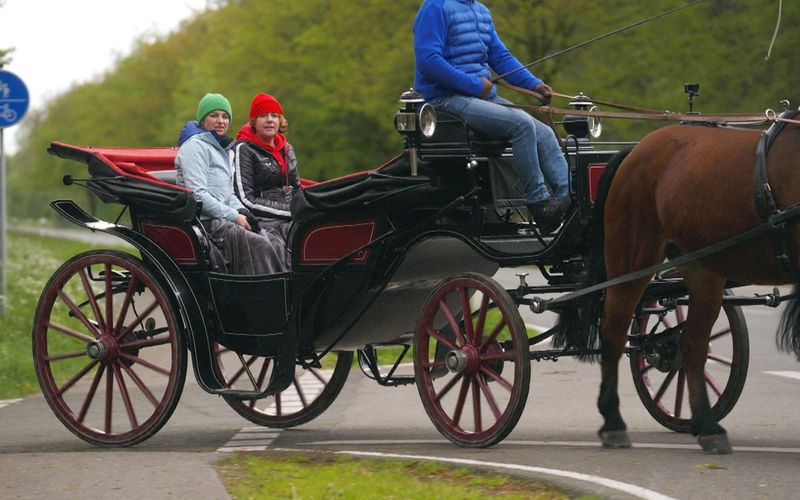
(455, 44)
(205, 167)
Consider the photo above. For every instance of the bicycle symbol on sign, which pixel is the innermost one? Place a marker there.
(7, 114)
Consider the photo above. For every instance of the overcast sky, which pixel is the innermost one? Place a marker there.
(61, 42)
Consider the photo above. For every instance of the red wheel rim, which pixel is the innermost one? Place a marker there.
(107, 352)
(472, 375)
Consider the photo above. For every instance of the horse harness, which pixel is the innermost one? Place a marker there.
(765, 204)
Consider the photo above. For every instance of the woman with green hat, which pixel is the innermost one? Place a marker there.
(204, 165)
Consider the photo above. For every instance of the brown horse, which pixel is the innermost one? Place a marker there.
(689, 187)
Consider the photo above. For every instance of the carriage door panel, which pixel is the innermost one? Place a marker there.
(251, 306)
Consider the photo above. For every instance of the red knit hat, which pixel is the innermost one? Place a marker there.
(263, 104)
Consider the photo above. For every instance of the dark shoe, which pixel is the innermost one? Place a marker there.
(548, 213)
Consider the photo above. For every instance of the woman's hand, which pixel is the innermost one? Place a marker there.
(241, 220)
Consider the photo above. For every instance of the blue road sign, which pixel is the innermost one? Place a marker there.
(14, 99)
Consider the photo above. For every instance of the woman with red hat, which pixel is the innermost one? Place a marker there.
(266, 167)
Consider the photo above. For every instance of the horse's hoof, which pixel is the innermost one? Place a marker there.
(615, 439)
(717, 444)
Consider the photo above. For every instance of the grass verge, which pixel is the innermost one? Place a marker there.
(323, 476)
(31, 261)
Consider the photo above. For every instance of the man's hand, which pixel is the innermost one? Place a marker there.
(546, 92)
(487, 87)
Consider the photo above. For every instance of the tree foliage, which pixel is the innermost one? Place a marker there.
(338, 67)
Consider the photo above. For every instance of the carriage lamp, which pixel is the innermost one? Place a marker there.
(415, 118)
(583, 126)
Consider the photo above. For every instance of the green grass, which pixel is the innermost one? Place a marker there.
(31, 262)
(324, 476)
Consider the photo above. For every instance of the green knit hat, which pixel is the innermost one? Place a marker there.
(212, 102)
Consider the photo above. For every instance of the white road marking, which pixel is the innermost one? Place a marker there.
(576, 444)
(787, 374)
(630, 489)
(260, 438)
(6, 402)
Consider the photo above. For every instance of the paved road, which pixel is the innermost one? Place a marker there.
(555, 439)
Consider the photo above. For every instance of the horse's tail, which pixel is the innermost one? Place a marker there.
(579, 320)
(788, 337)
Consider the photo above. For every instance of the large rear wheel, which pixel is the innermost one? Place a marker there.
(107, 351)
(661, 385)
(312, 391)
(472, 370)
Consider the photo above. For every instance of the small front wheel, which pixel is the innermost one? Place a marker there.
(472, 370)
(107, 351)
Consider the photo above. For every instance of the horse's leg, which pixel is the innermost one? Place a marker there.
(619, 306)
(705, 300)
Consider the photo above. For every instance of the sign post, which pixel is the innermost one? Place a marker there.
(14, 101)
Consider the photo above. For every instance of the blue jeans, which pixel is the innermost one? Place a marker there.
(537, 154)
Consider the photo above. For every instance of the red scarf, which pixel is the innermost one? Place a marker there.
(246, 134)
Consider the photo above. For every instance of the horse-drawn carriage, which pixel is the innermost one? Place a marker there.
(393, 262)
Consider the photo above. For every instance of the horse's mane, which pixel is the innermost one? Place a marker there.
(579, 321)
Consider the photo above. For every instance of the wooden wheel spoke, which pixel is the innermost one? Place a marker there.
(90, 296)
(451, 320)
(126, 302)
(318, 375)
(484, 309)
(126, 398)
(716, 335)
(79, 314)
(466, 313)
(496, 376)
(720, 359)
(476, 405)
(438, 336)
(491, 338)
(66, 355)
(278, 404)
(487, 393)
(69, 331)
(151, 342)
(138, 320)
(499, 356)
(462, 396)
(140, 384)
(664, 385)
(679, 393)
(299, 388)
(262, 374)
(448, 386)
(90, 395)
(83, 371)
(145, 363)
(109, 398)
(711, 382)
(109, 296)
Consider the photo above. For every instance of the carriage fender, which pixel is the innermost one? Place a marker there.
(192, 320)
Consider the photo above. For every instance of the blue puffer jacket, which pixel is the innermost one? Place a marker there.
(455, 44)
(205, 167)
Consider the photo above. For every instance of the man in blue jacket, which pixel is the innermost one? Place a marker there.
(455, 45)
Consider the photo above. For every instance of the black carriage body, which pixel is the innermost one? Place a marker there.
(367, 249)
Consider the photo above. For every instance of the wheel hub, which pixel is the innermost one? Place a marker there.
(461, 360)
(104, 349)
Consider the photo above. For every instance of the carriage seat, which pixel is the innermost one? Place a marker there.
(168, 176)
(453, 137)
